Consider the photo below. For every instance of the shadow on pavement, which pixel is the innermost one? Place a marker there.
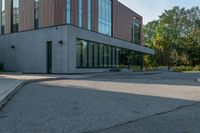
(45, 108)
(164, 78)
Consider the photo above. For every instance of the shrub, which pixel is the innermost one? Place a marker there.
(185, 68)
(196, 68)
(136, 68)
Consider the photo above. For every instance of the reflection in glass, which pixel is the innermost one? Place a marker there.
(15, 16)
(90, 54)
(105, 17)
(36, 13)
(80, 13)
(68, 12)
(95, 55)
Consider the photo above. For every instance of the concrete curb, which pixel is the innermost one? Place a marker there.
(11, 92)
(126, 73)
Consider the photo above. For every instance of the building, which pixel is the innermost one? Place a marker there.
(69, 36)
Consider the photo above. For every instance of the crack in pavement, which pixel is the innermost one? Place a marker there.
(146, 117)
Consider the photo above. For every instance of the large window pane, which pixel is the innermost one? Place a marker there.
(89, 14)
(80, 11)
(68, 12)
(15, 16)
(79, 53)
(123, 58)
(117, 57)
(109, 56)
(105, 17)
(96, 55)
(90, 54)
(36, 13)
(85, 54)
(136, 37)
(105, 57)
(101, 55)
(137, 61)
(113, 57)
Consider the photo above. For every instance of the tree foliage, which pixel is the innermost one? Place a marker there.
(175, 37)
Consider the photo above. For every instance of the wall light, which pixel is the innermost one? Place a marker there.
(12, 46)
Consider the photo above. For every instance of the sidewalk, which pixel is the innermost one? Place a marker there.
(10, 83)
(7, 89)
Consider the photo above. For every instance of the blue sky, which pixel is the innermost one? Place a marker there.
(151, 9)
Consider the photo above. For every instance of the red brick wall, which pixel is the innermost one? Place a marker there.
(123, 19)
(26, 17)
(59, 12)
(95, 15)
(8, 16)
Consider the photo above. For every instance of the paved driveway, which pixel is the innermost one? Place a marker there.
(122, 103)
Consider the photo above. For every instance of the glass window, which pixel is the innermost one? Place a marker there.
(80, 11)
(117, 57)
(113, 57)
(132, 58)
(15, 16)
(96, 55)
(105, 17)
(79, 53)
(101, 55)
(136, 37)
(84, 54)
(36, 14)
(138, 60)
(90, 54)
(109, 56)
(124, 58)
(68, 12)
(3, 20)
(89, 14)
(105, 57)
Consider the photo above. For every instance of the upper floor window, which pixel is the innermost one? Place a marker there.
(36, 14)
(3, 20)
(15, 16)
(80, 13)
(136, 31)
(105, 17)
(68, 12)
(89, 15)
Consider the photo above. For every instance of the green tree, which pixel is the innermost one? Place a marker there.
(175, 37)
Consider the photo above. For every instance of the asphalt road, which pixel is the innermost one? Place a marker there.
(125, 103)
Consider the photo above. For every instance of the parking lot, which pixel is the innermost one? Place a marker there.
(107, 103)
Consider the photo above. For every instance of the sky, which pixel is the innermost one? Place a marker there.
(152, 9)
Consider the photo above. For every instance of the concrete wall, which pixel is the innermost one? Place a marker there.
(29, 54)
